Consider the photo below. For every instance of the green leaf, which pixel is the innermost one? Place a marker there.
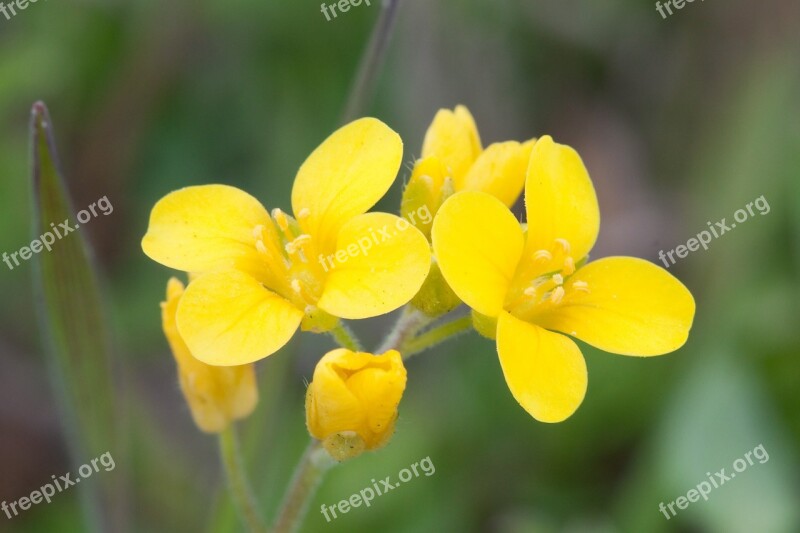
(72, 319)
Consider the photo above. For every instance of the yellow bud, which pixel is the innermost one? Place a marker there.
(427, 188)
(351, 403)
(216, 395)
(435, 297)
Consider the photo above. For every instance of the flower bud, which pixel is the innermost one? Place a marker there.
(351, 403)
(428, 187)
(216, 395)
(435, 297)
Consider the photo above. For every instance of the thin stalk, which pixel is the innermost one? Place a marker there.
(409, 323)
(307, 477)
(345, 337)
(371, 61)
(239, 487)
(435, 336)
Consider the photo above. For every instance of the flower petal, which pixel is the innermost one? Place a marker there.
(560, 200)
(626, 306)
(380, 263)
(500, 171)
(453, 138)
(206, 228)
(216, 395)
(545, 371)
(228, 318)
(345, 176)
(478, 244)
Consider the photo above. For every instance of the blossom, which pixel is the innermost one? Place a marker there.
(261, 275)
(216, 395)
(351, 403)
(531, 289)
(453, 160)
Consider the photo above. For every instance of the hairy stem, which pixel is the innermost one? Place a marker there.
(239, 487)
(435, 336)
(307, 477)
(409, 323)
(345, 337)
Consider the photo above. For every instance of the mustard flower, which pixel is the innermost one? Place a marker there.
(216, 395)
(260, 276)
(533, 290)
(454, 160)
(351, 403)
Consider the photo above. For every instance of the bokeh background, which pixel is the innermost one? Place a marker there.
(680, 121)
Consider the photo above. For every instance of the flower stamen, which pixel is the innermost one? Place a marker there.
(581, 286)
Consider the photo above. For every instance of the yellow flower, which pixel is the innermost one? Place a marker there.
(453, 160)
(351, 404)
(216, 395)
(533, 292)
(259, 276)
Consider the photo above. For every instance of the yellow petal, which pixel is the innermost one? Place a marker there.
(500, 171)
(330, 406)
(453, 138)
(478, 244)
(356, 392)
(380, 263)
(228, 318)
(216, 395)
(344, 177)
(560, 200)
(626, 306)
(545, 371)
(206, 228)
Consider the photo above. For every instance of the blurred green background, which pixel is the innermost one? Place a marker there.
(679, 121)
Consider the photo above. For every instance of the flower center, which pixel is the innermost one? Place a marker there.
(288, 254)
(538, 283)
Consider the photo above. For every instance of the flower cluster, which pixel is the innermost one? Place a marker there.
(255, 277)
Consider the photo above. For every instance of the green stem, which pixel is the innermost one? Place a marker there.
(307, 477)
(239, 487)
(345, 337)
(435, 336)
(371, 61)
(409, 323)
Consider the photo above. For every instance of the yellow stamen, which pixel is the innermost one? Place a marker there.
(569, 266)
(557, 295)
(558, 279)
(542, 256)
(297, 244)
(280, 218)
(581, 286)
(296, 287)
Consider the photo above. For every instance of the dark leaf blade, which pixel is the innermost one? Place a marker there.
(72, 319)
